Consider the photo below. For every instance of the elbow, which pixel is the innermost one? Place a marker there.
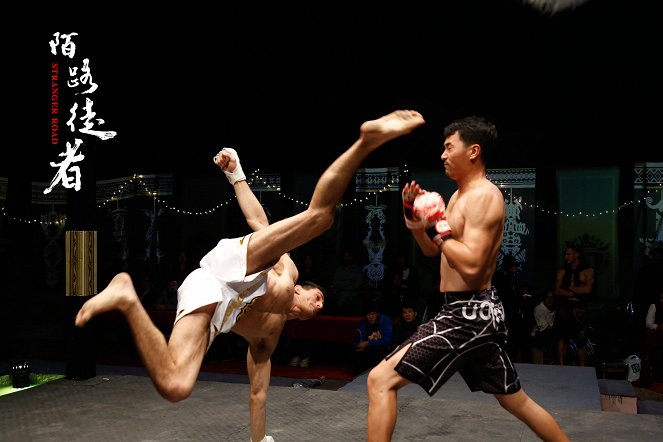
(322, 219)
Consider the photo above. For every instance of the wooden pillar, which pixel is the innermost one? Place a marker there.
(81, 284)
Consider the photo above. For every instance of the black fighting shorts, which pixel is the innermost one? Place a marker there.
(468, 335)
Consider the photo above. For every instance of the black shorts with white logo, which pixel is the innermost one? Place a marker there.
(468, 335)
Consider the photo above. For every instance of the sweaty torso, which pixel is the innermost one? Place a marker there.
(270, 311)
(476, 218)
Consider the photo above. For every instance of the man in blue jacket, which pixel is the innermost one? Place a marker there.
(373, 341)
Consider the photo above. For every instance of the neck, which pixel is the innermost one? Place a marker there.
(475, 175)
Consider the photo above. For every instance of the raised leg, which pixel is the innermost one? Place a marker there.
(268, 244)
(173, 366)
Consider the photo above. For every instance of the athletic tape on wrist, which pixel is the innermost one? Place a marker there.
(408, 210)
(237, 174)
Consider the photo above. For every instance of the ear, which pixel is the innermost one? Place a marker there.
(475, 151)
(298, 289)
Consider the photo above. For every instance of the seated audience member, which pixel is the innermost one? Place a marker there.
(544, 343)
(432, 301)
(147, 290)
(409, 274)
(393, 296)
(346, 285)
(575, 286)
(181, 268)
(572, 328)
(167, 301)
(654, 319)
(652, 361)
(373, 341)
(300, 348)
(406, 324)
(309, 271)
(168, 298)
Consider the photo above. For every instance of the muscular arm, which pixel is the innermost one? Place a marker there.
(559, 291)
(427, 246)
(259, 368)
(251, 207)
(586, 282)
(477, 221)
(248, 203)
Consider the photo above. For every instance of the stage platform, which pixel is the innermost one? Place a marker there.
(120, 404)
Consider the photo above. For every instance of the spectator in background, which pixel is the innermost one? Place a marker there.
(409, 274)
(181, 268)
(168, 298)
(393, 296)
(648, 283)
(374, 340)
(654, 320)
(346, 285)
(574, 286)
(433, 301)
(652, 361)
(544, 343)
(405, 324)
(300, 348)
(505, 280)
(147, 290)
(309, 271)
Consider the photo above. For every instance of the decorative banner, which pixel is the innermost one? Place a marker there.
(375, 244)
(52, 226)
(648, 187)
(378, 179)
(588, 191)
(517, 185)
(81, 251)
(374, 180)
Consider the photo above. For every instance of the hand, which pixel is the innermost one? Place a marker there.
(228, 160)
(432, 209)
(410, 192)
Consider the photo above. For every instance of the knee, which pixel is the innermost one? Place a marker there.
(174, 391)
(377, 380)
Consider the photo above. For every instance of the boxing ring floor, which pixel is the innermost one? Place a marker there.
(122, 405)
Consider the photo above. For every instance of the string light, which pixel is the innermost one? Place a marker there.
(126, 190)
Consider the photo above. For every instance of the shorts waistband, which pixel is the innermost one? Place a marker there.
(466, 294)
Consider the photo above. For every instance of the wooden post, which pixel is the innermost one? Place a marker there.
(81, 284)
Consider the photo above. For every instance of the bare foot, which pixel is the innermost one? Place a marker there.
(118, 295)
(393, 125)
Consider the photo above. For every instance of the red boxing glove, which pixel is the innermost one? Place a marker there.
(411, 221)
(430, 207)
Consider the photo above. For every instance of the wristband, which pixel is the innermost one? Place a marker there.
(408, 209)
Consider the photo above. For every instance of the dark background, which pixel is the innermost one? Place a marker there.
(288, 84)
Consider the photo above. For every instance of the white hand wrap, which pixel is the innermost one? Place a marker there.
(411, 222)
(414, 224)
(440, 232)
(266, 439)
(237, 174)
